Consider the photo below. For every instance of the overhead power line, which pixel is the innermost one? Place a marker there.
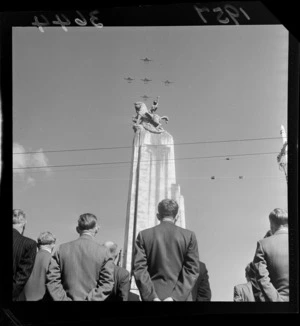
(128, 162)
(178, 178)
(124, 147)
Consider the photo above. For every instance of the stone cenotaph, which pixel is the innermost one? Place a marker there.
(152, 178)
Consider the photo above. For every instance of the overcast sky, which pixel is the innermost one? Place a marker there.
(230, 83)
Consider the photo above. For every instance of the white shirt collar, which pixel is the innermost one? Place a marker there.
(45, 248)
(86, 233)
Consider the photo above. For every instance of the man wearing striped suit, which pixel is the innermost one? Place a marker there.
(24, 252)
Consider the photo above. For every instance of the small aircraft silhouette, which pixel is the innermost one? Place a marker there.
(167, 82)
(146, 80)
(129, 80)
(146, 60)
(145, 97)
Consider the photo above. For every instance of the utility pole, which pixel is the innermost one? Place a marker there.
(282, 157)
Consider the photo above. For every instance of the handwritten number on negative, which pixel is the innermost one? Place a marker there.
(61, 22)
(233, 13)
(82, 21)
(200, 11)
(39, 24)
(222, 21)
(244, 13)
(230, 10)
(93, 18)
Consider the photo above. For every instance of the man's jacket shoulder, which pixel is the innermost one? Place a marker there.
(166, 224)
(277, 237)
(27, 240)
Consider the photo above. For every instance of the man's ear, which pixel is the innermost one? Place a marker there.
(158, 216)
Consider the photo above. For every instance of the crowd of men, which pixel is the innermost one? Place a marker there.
(166, 265)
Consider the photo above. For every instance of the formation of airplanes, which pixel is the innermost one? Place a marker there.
(147, 80)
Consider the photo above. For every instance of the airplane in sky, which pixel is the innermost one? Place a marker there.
(146, 80)
(145, 97)
(129, 80)
(146, 60)
(167, 82)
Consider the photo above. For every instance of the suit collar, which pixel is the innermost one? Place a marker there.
(167, 221)
(86, 236)
(16, 231)
(282, 231)
(45, 250)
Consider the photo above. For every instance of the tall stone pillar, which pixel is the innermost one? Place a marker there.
(152, 179)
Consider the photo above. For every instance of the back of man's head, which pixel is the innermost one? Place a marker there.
(278, 218)
(168, 207)
(87, 222)
(46, 239)
(19, 217)
(112, 248)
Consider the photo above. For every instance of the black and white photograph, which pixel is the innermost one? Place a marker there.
(150, 163)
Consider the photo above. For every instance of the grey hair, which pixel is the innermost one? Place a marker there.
(46, 238)
(112, 247)
(19, 217)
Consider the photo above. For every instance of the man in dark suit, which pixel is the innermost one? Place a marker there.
(121, 276)
(81, 270)
(24, 252)
(201, 290)
(35, 288)
(271, 259)
(166, 258)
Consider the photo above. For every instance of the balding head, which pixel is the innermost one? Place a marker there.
(19, 220)
(46, 240)
(19, 216)
(112, 248)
